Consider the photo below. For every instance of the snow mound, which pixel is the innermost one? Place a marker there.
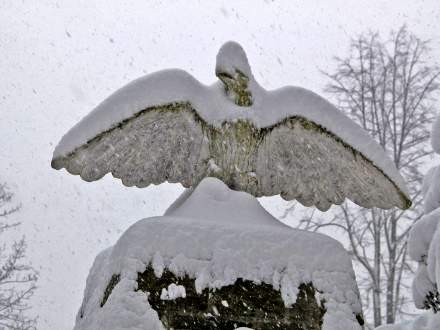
(194, 239)
(215, 107)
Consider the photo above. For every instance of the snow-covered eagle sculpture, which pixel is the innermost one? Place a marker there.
(167, 126)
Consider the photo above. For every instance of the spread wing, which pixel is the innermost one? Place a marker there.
(158, 144)
(300, 160)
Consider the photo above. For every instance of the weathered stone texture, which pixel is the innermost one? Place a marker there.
(244, 304)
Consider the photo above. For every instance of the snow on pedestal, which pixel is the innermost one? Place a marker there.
(218, 260)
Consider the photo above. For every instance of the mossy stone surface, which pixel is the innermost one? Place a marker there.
(243, 304)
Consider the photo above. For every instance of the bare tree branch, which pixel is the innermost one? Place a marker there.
(17, 279)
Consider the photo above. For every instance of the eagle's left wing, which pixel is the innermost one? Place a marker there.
(158, 144)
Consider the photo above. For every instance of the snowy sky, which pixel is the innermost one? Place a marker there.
(61, 58)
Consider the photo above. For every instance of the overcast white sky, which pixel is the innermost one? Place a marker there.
(59, 59)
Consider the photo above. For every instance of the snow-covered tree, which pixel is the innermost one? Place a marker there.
(424, 248)
(424, 237)
(17, 278)
(217, 259)
(388, 88)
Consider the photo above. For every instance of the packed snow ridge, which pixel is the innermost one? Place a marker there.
(216, 235)
(215, 107)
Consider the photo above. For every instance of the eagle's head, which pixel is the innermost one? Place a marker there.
(233, 69)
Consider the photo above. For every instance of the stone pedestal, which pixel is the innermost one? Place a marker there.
(218, 260)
